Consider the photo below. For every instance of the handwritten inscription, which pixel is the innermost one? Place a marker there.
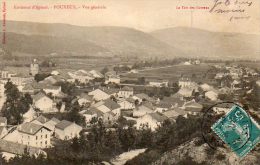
(237, 8)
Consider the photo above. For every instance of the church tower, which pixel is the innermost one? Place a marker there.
(34, 68)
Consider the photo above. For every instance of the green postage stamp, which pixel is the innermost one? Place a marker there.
(238, 130)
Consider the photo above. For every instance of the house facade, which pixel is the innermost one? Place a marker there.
(126, 92)
(44, 103)
(34, 135)
(65, 130)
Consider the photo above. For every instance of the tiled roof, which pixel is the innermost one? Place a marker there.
(142, 96)
(93, 110)
(42, 119)
(38, 96)
(158, 117)
(186, 92)
(171, 114)
(16, 148)
(28, 87)
(63, 124)
(148, 105)
(173, 100)
(55, 120)
(44, 85)
(131, 100)
(111, 104)
(93, 72)
(163, 104)
(30, 128)
(193, 106)
(109, 90)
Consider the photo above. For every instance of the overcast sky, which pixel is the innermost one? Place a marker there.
(145, 15)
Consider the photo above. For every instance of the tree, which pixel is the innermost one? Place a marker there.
(14, 105)
(66, 87)
(11, 91)
(74, 116)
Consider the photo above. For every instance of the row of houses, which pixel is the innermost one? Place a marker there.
(34, 135)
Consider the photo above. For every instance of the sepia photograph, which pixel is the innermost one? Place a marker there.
(130, 82)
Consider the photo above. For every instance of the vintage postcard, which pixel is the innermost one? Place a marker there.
(129, 82)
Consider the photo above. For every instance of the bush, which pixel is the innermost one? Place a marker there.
(147, 157)
(220, 156)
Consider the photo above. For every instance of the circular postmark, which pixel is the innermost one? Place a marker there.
(226, 124)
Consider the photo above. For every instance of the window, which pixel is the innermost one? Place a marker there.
(46, 136)
(36, 137)
(46, 142)
(41, 136)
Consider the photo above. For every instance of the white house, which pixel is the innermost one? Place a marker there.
(108, 105)
(84, 99)
(54, 90)
(55, 72)
(174, 113)
(81, 75)
(221, 110)
(186, 92)
(35, 135)
(65, 130)
(192, 107)
(186, 82)
(30, 115)
(126, 104)
(91, 113)
(44, 103)
(126, 92)
(152, 120)
(163, 106)
(98, 94)
(19, 80)
(159, 83)
(51, 124)
(109, 117)
(113, 79)
(212, 95)
(96, 74)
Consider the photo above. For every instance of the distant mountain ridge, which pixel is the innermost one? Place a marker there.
(116, 40)
(202, 43)
(46, 38)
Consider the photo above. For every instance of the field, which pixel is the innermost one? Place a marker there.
(172, 73)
